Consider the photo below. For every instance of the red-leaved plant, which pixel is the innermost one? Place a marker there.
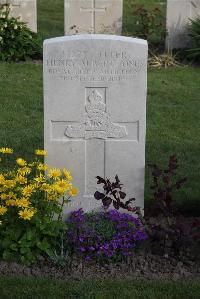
(113, 194)
(164, 182)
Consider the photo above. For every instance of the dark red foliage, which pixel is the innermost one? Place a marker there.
(113, 194)
(164, 182)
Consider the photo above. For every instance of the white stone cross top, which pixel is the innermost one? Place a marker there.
(93, 16)
(93, 10)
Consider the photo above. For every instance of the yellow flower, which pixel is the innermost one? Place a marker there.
(73, 192)
(42, 167)
(21, 179)
(40, 178)
(9, 184)
(2, 179)
(23, 203)
(28, 190)
(0, 222)
(27, 214)
(6, 150)
(11, 202)
(24, 170)
(46, 187)
(3, 210)
(10, 195)
(61, 186)
(3, 196)
(67, 174)
(54, 173)
(40, 152)
(21, 162)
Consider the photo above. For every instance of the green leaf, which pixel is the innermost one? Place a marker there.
(14, 247)
(24, 250)
(8, 255)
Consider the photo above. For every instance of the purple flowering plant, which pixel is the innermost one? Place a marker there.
(104, 236)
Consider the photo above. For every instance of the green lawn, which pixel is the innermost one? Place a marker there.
(50, 17)
(173, 113)
(16, 288)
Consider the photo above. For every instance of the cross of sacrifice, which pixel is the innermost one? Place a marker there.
(93, 10)
(97, 125)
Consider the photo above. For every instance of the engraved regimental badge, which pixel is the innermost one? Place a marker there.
(97, 123)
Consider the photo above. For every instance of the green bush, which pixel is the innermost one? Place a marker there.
(194, 33)
(17, 42)
(150, 25)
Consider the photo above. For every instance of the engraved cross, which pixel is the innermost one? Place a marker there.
(93, 10)
(96, 130)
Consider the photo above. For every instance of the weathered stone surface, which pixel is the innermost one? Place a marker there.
(178, 14)
(95, 111)
(93, 16)
(25, 10)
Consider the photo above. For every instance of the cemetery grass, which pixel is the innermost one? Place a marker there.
(173, 113)
(23, 288)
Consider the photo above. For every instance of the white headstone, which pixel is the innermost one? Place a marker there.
(178, 14)
(95, 111)
(25, 10)
(93, 16)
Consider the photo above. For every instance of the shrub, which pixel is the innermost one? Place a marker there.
(164, 183)
(104, 236)
(194, 33)
(29, 203)
(167, 232)
(17, 42)
(149, 25)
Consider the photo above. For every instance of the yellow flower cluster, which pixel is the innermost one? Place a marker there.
(6, 150)
(40, 152)
(24, 190)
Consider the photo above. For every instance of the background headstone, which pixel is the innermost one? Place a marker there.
(95, 111)
(93, 16)
(25, 10)
(178, 14)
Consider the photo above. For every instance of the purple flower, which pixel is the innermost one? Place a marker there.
(104, 235)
